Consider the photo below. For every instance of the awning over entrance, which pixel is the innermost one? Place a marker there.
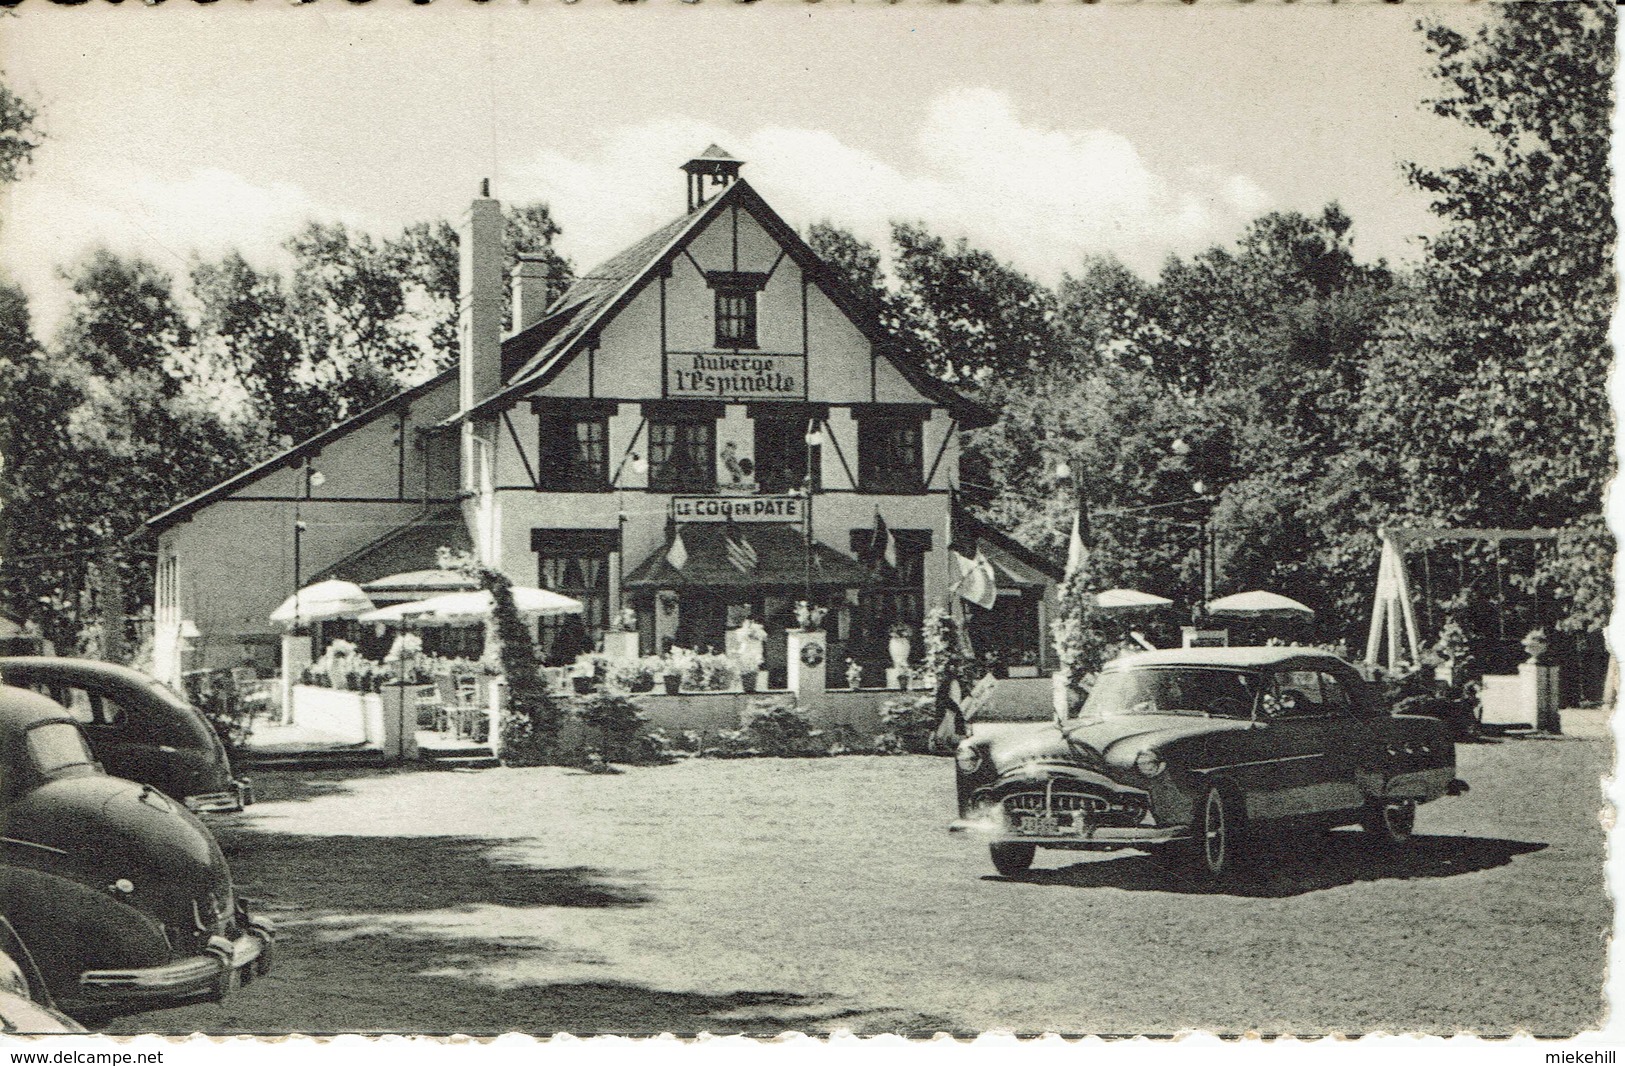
(780, 554)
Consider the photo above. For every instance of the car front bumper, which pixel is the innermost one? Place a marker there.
(238, 796)
(1092, 838)
(223, 967)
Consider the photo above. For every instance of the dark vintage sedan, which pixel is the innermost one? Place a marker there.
(138, 728)
(120, 895)
(25, 1001)
(1197, 750)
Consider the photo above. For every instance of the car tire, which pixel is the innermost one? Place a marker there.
(1390, 824)
(1219, 831)
(1012, 860)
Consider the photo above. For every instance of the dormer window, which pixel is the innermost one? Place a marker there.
(736, 318)
(736, 306)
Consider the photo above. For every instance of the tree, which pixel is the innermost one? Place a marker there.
(974, 318)
(108, 427)
(247, 328)
(348, 306)
(20, 135)
(1508, 322)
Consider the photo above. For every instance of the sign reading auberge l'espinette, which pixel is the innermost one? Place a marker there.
(736, 376)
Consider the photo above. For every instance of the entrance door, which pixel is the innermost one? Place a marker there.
(702, 621)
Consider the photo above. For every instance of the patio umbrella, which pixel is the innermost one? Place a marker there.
(1129, 599)
(456, 607)
(322, 602)
(391, 615)
(420, 582)
(1258, 604)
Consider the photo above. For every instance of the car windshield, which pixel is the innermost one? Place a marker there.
(1173, 690)
(55, 746)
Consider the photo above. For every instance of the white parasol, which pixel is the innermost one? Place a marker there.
(1128, 599)
(458, 607)
(322, 602)
(1258, 604)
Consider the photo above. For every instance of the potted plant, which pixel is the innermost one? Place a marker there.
(810, 617)
(900, 645)
(675, 664)
(854, 674)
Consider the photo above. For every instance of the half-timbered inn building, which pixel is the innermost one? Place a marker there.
(708, 423)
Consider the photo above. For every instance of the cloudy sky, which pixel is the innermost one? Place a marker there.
(1043, 133)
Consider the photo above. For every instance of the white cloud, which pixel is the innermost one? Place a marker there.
(69, 206)
(1040, 197)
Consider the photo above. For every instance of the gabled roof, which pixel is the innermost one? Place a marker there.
(410, 546)
(975, 527)
(544, 349)
(186, 508)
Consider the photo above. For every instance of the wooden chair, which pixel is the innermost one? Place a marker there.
(430, 708)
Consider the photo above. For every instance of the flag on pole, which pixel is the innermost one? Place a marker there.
(882, 545)
(677, 554)
(741, 556)
(977, 582)
(1077, 549)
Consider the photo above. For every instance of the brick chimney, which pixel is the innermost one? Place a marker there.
(481, 300)
(532, 282)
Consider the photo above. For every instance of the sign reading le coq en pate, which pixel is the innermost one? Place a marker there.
(736, 376)
(739, 508)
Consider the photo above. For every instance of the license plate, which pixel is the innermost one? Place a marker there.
(1042, 825)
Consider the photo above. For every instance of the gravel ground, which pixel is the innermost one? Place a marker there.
(766, 895)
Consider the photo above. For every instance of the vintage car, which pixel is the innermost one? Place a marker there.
(1200, 749)
(138, 728)
(25, 1003)
(120, 895)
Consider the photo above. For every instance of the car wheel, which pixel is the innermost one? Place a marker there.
(1218, 832)
(1390, 823)
(1012, 860)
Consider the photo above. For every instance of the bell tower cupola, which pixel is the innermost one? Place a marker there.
(712, 169)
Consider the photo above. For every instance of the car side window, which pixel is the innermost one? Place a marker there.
(91, 708)
(1338, 699)
(76, 701)
(1299, 694)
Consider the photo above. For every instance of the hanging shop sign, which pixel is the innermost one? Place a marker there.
(739, 508)
(736, 376)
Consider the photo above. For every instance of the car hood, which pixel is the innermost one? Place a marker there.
(1101, 741)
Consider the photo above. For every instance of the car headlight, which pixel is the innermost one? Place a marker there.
(968, 758)
(1149, 764)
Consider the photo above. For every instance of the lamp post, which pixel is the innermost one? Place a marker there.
(814, 438)
(309, 479)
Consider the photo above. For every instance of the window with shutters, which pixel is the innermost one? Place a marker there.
(683, 455)
(574, 454)
(890, 454)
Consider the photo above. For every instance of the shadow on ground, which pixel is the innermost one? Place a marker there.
(297, 786)
(395, 875)
(1292, 866)
(382, 983)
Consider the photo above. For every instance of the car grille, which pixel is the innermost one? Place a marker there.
(1070, 810)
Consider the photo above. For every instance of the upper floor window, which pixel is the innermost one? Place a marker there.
(890, 453)
(574, 453)
(785, 462)
(736, 316)
(683, 454)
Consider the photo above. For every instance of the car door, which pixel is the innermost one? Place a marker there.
(1298, 772)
